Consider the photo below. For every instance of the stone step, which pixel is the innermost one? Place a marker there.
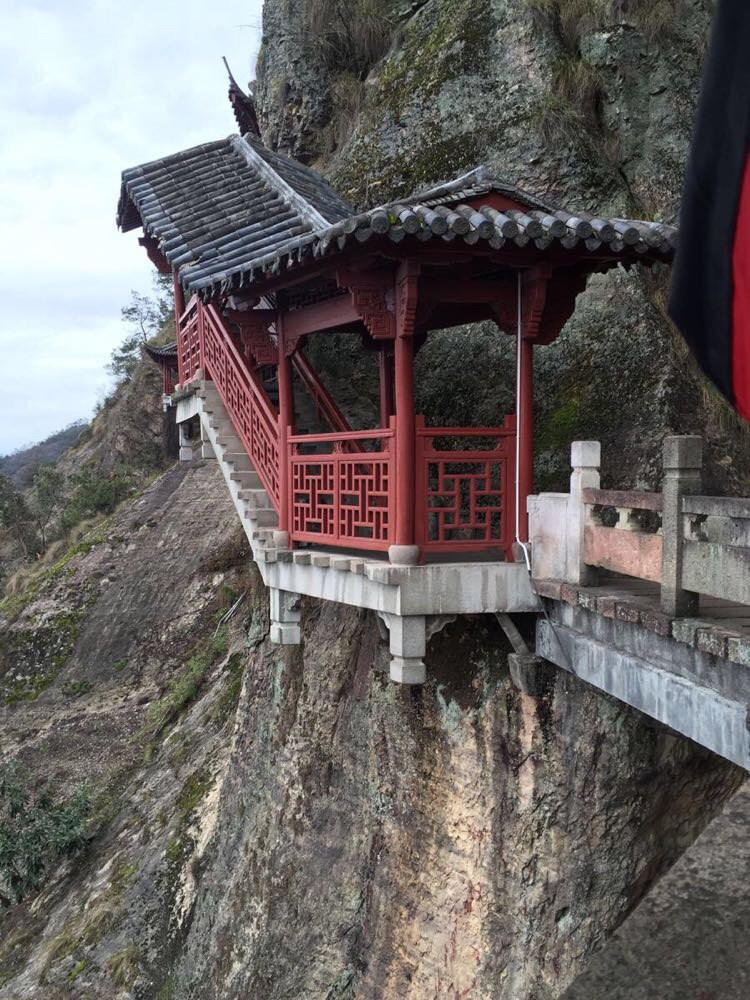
(255, 497)
(228, 439)
(262, 535)
(224, 430)
(263, 517)
(239, 460)
(247, 480)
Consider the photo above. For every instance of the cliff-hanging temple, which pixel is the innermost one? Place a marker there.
(417, 523)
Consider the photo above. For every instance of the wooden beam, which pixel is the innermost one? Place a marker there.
(406, 305)
(468, 290)
(327, 315)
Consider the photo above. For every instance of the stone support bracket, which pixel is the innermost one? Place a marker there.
(285, 617)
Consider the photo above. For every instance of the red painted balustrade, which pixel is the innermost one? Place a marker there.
(465, 496)
(339, 496)
(342, 484)
(254, 418)
(189, 340)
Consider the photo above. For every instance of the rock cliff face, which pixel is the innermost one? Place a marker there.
(283, 822)
(589, 102)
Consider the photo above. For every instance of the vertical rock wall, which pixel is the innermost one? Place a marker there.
(456, 840)
(589, 102)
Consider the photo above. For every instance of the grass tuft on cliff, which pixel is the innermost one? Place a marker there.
(185, 685)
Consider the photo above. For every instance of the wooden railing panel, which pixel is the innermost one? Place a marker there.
(465, 497)
(189, 341)
(253, 417)
(339, 498)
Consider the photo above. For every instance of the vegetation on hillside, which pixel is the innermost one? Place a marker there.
(149, 318)
(20, 464)
(36, 829)
(352, 36)
(90, 482)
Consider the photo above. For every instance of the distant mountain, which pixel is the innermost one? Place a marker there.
(20, 465)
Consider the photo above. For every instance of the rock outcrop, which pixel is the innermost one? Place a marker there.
(284, 822)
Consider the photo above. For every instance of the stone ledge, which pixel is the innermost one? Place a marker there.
(705, 636)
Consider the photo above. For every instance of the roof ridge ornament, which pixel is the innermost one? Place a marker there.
(243, 105)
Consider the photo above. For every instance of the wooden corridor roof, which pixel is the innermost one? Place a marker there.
(217, 207)
(229, 214)
(165, 353)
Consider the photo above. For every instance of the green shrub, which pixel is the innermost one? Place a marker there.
(352, 34)
(95, 492)
(35, 830)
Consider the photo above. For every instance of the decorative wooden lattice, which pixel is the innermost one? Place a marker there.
(465, 497)
(339, 498)
(253, 417)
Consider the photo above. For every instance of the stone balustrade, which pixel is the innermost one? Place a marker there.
(687, 543)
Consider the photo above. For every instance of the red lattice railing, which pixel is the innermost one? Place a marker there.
(189, 340)
(253, 416)
(464, 492)
(341, 498)
(342, 484)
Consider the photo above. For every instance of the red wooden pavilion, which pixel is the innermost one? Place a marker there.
(265, 254)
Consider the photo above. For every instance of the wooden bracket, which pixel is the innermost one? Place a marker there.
(407, 297)
(548, 297)
(373, 299)
(157, 258)
(533, 299)
(255, 336)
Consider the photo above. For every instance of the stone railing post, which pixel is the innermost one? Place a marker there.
(683, 458)
(585, 458)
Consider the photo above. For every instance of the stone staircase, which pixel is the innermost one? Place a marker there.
(253, 505)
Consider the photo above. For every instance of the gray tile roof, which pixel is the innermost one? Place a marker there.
(231, 213)
(441, 213)
(219, 206)
(168, 352)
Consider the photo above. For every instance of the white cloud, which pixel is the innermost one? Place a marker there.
(88, 89)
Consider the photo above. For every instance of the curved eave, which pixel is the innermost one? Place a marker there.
(313, 250)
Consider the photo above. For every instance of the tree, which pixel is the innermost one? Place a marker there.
(47, 489)
(147, 317)
(16, 518)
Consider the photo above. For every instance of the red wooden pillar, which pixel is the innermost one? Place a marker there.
(525, 431)
(179, 309)
(385, 361)
(405, 549)
(286, 421)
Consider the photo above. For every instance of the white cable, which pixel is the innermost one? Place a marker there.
(523, 545)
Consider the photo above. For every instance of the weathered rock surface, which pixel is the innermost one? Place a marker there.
(590, 104)
(283, 822)
(298, 826)
(688, 938)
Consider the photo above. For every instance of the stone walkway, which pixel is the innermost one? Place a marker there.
(690, 939)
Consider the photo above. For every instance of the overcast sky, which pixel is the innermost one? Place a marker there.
(86, 90)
